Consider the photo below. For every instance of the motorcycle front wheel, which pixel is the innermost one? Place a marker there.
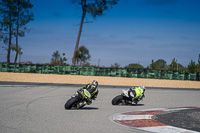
(117, 100)
(72, 101)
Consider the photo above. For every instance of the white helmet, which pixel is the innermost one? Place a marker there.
(143, 88)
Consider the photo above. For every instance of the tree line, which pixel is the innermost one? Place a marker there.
(83, 56)
(161, 64)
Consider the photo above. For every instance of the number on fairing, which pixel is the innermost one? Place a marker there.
(87, 93)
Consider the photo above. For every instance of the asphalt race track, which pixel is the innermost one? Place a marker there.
(39, 108)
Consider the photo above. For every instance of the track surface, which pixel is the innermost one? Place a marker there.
(39, 108)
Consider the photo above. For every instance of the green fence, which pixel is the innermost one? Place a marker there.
(92, 71)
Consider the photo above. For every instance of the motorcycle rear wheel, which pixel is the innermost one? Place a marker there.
(71, 102)
(117, 100)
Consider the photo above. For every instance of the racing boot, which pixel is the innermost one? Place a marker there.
(82, 104)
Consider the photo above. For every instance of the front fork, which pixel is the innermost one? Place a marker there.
(81, 103)
(127, 100)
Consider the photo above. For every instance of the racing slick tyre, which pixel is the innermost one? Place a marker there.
(71, 102)
(117, 100)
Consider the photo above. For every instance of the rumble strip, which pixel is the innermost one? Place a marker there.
(142, 120)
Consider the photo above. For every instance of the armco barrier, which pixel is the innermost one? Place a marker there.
(93, 71)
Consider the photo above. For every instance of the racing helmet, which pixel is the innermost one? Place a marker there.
(94, 82)
(143, 88)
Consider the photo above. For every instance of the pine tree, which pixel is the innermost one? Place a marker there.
(7, 19)
(23, 16)
(94, 8)
(15, 14)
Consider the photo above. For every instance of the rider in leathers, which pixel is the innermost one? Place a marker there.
(92, 89)
(136, 93)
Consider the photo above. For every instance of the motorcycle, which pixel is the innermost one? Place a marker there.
(125, 99)
(78, 100)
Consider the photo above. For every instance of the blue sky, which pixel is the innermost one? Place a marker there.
(134, 31)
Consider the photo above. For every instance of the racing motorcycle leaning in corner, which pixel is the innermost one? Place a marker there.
(83, 96)
(130, 96)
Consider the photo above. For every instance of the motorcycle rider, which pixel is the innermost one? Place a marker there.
(92, 89)
(136, 93)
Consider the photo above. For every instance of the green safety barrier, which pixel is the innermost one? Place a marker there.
(181, 75)
(93, 71)
(193, 76)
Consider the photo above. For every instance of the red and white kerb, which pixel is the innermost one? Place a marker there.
(142, 120)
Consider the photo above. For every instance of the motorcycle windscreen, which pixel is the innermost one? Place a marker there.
(87, 93)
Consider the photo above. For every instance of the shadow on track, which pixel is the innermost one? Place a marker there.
(130, 105)
(84, 108)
